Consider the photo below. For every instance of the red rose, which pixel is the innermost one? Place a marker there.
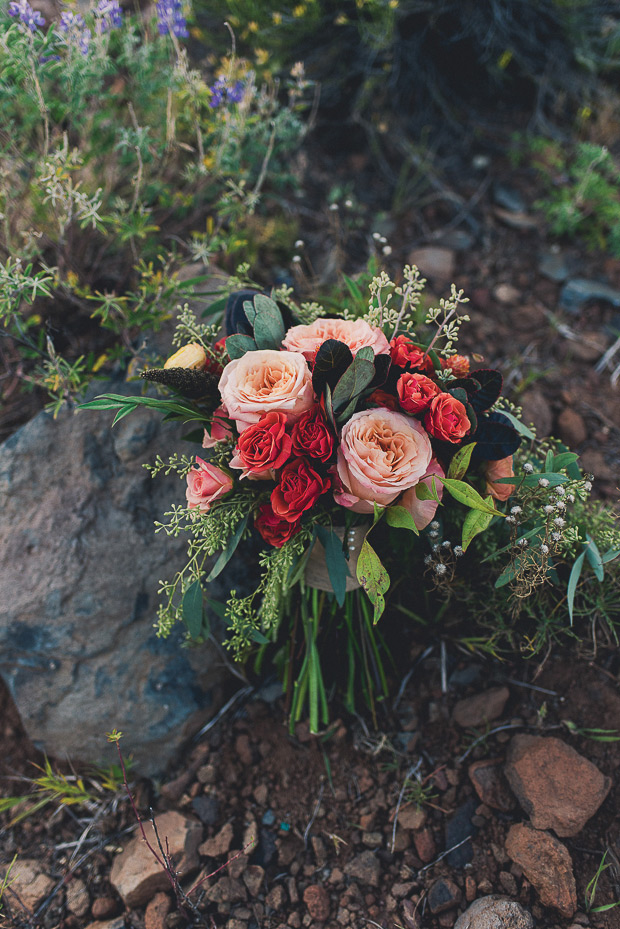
(415, 392)
(458, 363)
(263, 445)
(383, 399)
(406, 353)
(219, 357)
(311, 435)
(299, 488)
(446, 418)
(274, 530)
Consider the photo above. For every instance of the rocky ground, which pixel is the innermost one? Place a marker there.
(485, 804)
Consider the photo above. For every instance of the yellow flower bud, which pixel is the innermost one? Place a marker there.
(192, 355)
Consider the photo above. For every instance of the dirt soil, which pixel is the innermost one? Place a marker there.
(318, 812)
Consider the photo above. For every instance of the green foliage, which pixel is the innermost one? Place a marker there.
(115, 164)
(582, 192)
(592, 888)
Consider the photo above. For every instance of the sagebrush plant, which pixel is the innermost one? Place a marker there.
(333, 456)
(119, 160)
(582, 191)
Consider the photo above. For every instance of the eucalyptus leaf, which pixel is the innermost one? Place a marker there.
(358, 376)
(250, 312)
(237, 345)
(337, 566)
(269, 328)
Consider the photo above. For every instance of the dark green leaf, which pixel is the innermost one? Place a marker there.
(366, 353)
(229, 551)
(400, 518)
(573, 580)
(337, 565)
(218, 306)
(490, 389)
(460, 462)
(193, 610)
(237, 345)
(332, 360)
(355, 379)
(250, 312)
(563, 460)
(373, 577)
(519, 426)
(509, 573)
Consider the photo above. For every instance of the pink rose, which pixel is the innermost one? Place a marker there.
(266, 381)
(220, 429)
(356, 333)
(205, 483)
(495, 469)
(423, 511)
(381, 454)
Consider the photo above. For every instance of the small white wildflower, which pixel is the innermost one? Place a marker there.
(428, 559)
(376, 236)
(571, 498)
(348, 204)
(296, 259)
(299, 243)
(528, 468)
(559, 521)
(387, 250)
(435, 547)
(548, 508)
(333, 207)
(383, 240)
(556, 536)
(434, 524)
(544, 549)
(543, 482)
(523, 543)
(515, 510)
(560, 490)
(446, 544)
(458, 551)
(587, 485)
(511, 519)
(433, 534)
(440, 569)
(561, 505)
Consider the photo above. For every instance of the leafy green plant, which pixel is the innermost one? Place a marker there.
(6, 881)
(119, 161)
(582, 196)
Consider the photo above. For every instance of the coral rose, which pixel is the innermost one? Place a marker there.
(381, 454)
(311, 436)
(423, 511)
(406, 354)
(206, 483)
(220, 429)
(415, 392)
(446, 418)
(496, 469)
(263, 446)
(299, 488)
(274, 530)
(266, 381)
(356, 333)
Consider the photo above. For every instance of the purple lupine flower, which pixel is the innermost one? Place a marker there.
(76, 30)
(109, 15)
(222, 89)
(29, 17)
(171, 19)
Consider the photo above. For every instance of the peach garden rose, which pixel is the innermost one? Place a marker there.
(356, 333)
(266, 381)
(381, 454)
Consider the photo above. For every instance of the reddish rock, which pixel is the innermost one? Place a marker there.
(556, 786)
(546, 864)
(136, 875)
(572, 427)
(28, 885)
(156, 912)
(243, 749)
(481, 708)
(316, 899)
(489, 781)
(219, 844)
(253, 877)
(425, 845)
(444, 895)
(411, 817)
(105, 907)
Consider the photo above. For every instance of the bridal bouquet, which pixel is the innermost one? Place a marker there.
(315, 429)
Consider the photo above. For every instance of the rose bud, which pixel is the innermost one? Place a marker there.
(446, 418)
(205, 484)
(191, 355)
(496, 469)
(458, 363)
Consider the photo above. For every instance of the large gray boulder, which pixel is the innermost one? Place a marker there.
(80, 566)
